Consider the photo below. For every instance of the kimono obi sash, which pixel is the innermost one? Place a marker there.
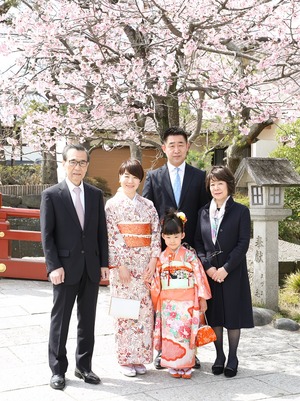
(177, 275)
(136, 234)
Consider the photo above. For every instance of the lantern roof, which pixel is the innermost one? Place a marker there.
(266, 171)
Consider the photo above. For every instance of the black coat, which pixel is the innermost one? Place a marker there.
(158, 189)
(230, 305)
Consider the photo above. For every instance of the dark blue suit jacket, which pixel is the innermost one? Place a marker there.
(158, 188)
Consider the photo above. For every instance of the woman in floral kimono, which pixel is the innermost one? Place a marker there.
(179, 291)
(134, 246)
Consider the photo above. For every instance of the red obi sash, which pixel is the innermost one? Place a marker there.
(136, 234)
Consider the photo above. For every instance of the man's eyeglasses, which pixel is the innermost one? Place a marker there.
(74, 163)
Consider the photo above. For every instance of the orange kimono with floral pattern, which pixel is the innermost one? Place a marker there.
(179, 282)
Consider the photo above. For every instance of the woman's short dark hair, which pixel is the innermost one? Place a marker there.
(172, 224)
(133, 167)
(221, 173)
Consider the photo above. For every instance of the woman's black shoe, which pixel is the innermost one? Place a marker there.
(230, 372)
(217, 369)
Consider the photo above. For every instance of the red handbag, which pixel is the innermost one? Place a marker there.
(205, 334)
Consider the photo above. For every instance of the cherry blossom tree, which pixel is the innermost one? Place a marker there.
(118, 69)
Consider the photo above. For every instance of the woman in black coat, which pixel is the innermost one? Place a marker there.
(221, 241)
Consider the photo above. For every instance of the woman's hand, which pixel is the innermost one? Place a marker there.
(211, 271)
(149, 272)
(124, 275)
(220, 275)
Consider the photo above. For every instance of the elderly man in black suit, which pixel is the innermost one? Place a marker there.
(74, 239)
(177, 185)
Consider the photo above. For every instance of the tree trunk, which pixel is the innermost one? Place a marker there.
(235, 152)
(136, 152)
(172, 104)
(49, 167)
(161, 118)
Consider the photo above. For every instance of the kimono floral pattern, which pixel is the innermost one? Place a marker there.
(133, 338)
(177, 314)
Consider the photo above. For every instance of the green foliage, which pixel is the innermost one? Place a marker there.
(195, 158)
(289, 296)
(26, 174)
(289, 230)
(101, 183)
(292, 282)
(289, 138)
(242, 198)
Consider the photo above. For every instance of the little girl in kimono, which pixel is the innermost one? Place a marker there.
(179, 292)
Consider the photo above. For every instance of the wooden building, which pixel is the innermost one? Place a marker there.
(106, 164)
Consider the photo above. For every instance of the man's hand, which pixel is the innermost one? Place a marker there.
(57, 276)
(104, 273)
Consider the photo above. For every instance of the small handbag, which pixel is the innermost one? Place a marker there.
(205, 334)
(124, 308)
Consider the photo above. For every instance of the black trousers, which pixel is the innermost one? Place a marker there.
(64, 297)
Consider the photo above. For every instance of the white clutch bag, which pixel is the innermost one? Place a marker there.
(124, 308)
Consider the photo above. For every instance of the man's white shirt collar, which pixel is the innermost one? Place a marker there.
(71, 186)
(171, 168)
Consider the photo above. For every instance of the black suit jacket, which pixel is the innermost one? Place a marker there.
(64, 242)
(158, 188)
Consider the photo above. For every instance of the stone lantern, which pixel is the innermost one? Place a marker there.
(266, 179)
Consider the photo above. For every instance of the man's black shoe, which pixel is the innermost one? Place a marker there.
(58, 382)
(197, 363)
(88, 377)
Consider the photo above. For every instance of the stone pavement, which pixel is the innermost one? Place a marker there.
(269, 359)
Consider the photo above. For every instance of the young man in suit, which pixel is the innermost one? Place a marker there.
(74, 239)
(176, 179)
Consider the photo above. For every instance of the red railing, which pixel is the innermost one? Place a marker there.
(25, 268)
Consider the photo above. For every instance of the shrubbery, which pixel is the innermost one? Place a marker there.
(99, 183)
(30, 174)
(26, 174)
(289, 296)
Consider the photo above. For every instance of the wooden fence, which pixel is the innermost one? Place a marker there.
(20, 190)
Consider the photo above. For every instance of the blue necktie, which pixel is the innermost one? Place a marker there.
(177, 186)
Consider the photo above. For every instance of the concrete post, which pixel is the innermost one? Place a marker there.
(265, 264)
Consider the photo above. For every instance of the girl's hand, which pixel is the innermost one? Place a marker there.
(124, 275)
(202, 305)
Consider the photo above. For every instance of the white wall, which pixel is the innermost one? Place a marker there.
(262, 148)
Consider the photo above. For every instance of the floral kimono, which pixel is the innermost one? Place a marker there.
(179, 282)
(133, 238)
